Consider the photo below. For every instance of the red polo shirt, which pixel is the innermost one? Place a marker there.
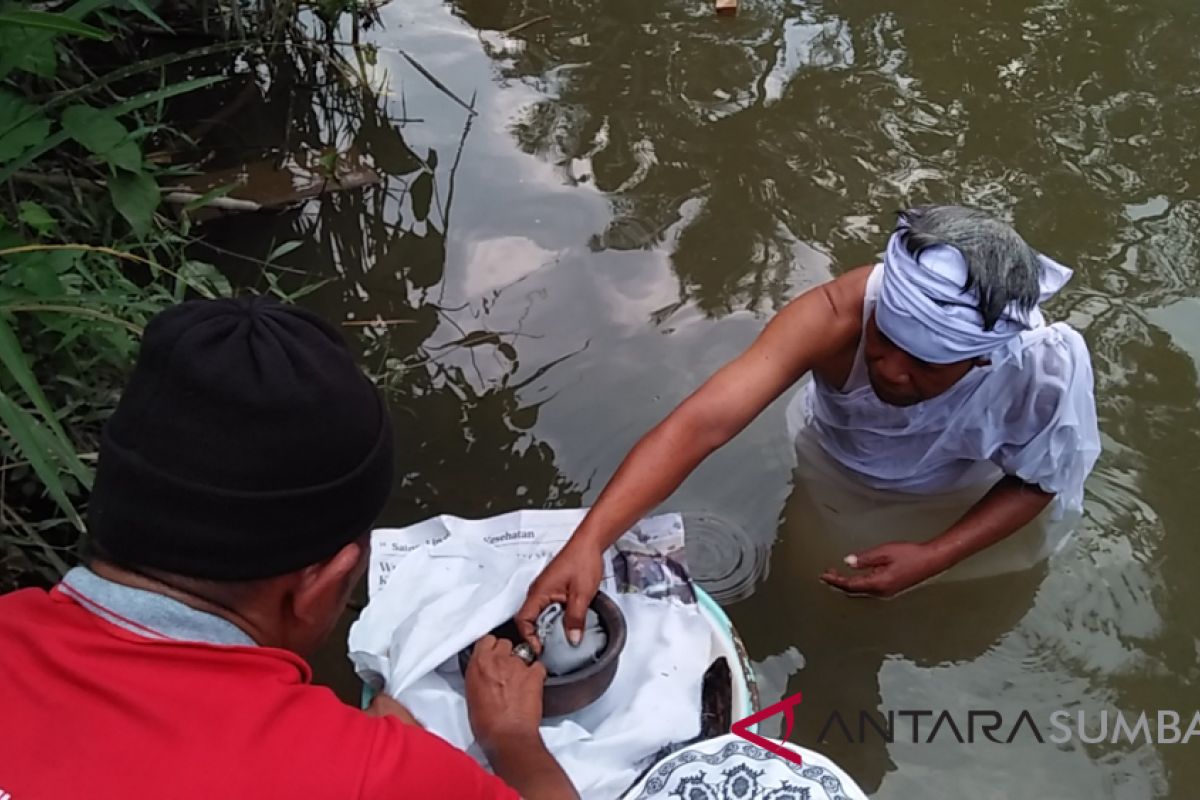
(91, 709)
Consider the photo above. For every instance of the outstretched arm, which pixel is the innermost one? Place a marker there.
(891, 568)
(814, 326)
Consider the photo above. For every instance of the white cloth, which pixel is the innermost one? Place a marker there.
(925, 310)
(454, 580)
(1030, 414)
(730, 768)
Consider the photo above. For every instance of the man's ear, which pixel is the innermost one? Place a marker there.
(320, 584)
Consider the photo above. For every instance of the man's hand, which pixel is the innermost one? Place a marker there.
(887, 570)
(572, 579)
(504, 695)
(891, 568)
(382, 705)
(504, 704)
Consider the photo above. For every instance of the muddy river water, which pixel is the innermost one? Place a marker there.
(641, 185)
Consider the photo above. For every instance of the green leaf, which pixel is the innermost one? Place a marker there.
(206, 279)
(20, 137)
(36, 217)
(84, 7)
(135, 196)
(210, 195)
(147, 12)
(56, 23)
(303, 291)
(39, 279)
(32, 51)
(35, 51)
(328, 161)
(283, 249)
(126, 155)
(41, 57)
(96, 130)
(30, 440)
(13, 359)
(61, 99)
(61, 261)
(132, 104)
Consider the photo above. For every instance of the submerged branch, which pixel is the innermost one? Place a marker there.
(529, 23)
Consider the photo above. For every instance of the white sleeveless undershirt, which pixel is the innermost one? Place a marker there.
(1031, 414)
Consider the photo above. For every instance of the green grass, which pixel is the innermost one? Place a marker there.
(89, 252)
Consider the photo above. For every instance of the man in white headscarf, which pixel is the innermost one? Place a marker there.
(931, 371)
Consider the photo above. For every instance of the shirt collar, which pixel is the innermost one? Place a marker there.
(147, 613)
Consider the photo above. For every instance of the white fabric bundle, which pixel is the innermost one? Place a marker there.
(454, 580)
(924, 309)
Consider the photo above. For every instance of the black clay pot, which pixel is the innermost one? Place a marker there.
(566, 694)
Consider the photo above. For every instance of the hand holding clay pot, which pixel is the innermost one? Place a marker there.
(504, 694)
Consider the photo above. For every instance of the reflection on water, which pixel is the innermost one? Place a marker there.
(463, 432)
(644, 183)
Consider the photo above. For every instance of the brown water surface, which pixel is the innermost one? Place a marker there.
(645, 183)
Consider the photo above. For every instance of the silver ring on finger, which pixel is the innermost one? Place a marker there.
(524, 652)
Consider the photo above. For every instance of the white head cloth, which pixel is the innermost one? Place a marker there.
(924, 310)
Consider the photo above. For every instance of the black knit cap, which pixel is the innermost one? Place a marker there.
(246, 445)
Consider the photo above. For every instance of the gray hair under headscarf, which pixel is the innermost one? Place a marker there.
(960, 284)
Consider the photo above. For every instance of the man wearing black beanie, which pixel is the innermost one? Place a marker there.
(237, 483)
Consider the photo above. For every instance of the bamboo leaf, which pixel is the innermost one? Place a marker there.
(78, 311)
(307, 289)
(147, 12)
(206, 279)
(84, 7)
(210, 195)
(25, 433)
(13, 359)
(283, 249)
(55, 23)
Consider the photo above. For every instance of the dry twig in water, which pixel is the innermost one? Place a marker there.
(529, 23)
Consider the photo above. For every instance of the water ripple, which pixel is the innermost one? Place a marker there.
(722, 557)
